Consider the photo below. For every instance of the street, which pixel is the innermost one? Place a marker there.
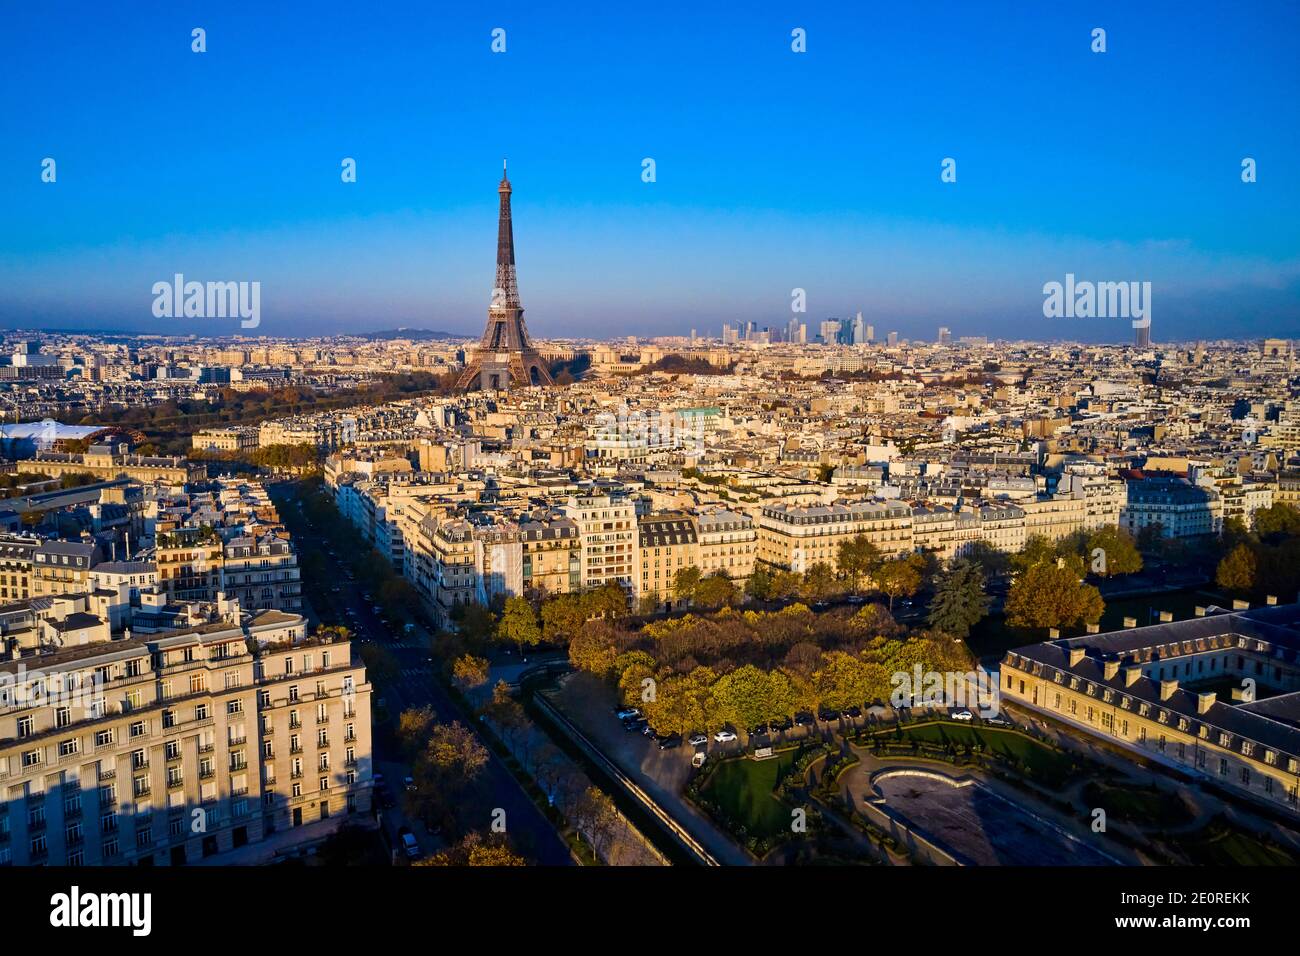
(528, 829)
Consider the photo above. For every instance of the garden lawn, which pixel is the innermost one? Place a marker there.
(1148, 808)
(743, 788)
(1216, 845)
(1045, 765)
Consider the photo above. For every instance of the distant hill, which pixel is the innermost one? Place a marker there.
(418, 335)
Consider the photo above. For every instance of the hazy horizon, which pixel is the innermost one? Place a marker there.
(775, 170)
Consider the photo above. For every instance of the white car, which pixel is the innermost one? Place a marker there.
(697, 739)
(724, 736)
(962, 715)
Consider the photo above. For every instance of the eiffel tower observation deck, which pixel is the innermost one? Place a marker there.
(504, 358)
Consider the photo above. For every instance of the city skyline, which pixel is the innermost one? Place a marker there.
(818, 171)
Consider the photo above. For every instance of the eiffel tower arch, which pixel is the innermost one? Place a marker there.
(505, 357)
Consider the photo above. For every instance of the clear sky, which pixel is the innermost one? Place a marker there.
(775, 169)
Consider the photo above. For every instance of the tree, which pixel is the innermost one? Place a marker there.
(607, 601)
(469, 671)
(1052, 595)
(519, 624)
(1277, 521)
(1119, 553)
(960, 601)
(413, 727)
(597, 819)
(562, 616)
(900, 577)
(449, 762)
(684, 702)
(473, 850)
(634, 669)
(1237, 570)
(685, 582)
(842, 681)
(818, 582)
(475, 622)
(857, 558)
(993, 561)
(594, 649)
(1037, 550)
(745, 697)
(717, 590)
(786, 584)
(759, 584)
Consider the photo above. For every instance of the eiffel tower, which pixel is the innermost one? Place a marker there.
(505, 358)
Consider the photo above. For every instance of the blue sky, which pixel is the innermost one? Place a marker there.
(775, 170)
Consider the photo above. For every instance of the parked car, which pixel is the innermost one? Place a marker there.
(853, 712)
(410, 846)
(409, 783)
(997, 721)
(648, 731)
(623, 713)
(633, 723)
(962, 715)
(825, 713)
(785, 723)
(804, 719)
(760, 731)
(670, 741)
(698, 740)
(724, 736)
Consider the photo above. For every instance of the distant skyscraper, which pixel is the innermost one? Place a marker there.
(830, 331)
(945, 336)
(871, 333)
(505, 358)
(1142, 335)
(893, 338)
(859, 334)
